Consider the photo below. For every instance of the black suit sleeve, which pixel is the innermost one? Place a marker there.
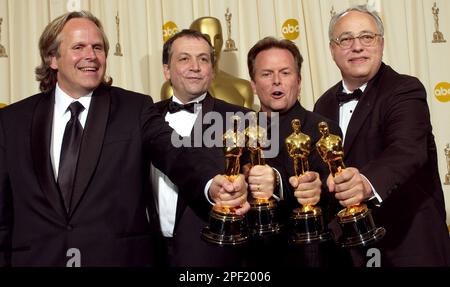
(5, 205)
(405, 126)
(189, 168)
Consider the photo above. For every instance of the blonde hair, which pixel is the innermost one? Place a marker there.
(50, 41)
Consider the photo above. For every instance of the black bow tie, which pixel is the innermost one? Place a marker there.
(176, 107)
(343, 98)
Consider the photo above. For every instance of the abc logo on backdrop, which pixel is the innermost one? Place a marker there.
(442, 92)
(169, 29)
(290, 29)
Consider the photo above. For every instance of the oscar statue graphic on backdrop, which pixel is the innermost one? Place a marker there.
(358, 227)
(307, 220)
(447, 158)
(229, 44)
(332, 11)
(2, 49)
(263, 216)
(438, 37)
(225, 226)
(118, 47)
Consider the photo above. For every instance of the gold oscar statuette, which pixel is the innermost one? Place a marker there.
(229, 44)
(447, 157)
(225, 226)
(118, 51)
(332, 11)
(438, 37)
(307, 220)
(2, 49)
(263, 216)
(358, 227)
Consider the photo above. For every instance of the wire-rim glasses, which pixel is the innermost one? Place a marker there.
(366, 39)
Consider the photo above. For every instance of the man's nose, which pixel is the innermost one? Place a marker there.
(90, 53)
(195, 65)
(276, 79)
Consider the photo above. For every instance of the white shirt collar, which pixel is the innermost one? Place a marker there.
(196, 100)
(347, 91)
(63, 100)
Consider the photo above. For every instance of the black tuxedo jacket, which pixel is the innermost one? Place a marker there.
(107, 222)
(389, 139)
(188, 249)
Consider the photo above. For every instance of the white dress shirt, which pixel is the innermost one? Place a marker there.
(345, 114)
(346, 110)
(165, 191)
(61, 115)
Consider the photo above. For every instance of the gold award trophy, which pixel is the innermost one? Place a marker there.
(447, 157)
(229, 44)
(307, 220)
(118, 47)
(263, 216)
(225, 226)
(438, 37)
(358, 227)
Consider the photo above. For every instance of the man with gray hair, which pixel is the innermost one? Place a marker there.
(389, 147)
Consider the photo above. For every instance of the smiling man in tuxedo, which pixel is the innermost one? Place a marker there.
(389, 147)
(188, 63)
(75, 159)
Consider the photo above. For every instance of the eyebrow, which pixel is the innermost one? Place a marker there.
(282, 69)
(191, 55)
(351, 33)
(84, 43)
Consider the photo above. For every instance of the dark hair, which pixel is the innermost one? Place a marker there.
(167, 48)
(50, 41)
(269, 43)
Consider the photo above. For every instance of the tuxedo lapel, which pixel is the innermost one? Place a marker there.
(41, 133)
(207, 106)
(359, 116)
(92, 142)
(330, 107)
(181, 203)
(163, 106)
(362, 111)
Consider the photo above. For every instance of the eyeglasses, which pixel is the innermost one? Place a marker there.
(366, 39)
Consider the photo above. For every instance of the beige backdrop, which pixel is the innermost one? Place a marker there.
(409, 27)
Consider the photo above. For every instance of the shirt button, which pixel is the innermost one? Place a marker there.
(69, 227)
